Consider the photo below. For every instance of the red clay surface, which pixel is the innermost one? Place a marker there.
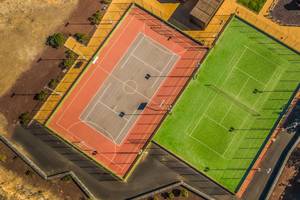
(66, 122)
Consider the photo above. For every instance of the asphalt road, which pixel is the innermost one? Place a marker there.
(257, 188)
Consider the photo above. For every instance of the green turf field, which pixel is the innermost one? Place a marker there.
(222, 97)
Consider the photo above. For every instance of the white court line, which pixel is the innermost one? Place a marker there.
(221, 155)
(212, 92)
(122, 130)
(242, 71)
(92, 74)
(271, 79)
(127, 51)
(159, 46)
(93, 125)
(229, 63)
(211, 119)
(91, 101)
(148, 65)
(237, 97)
(145, 97)
(162, 103)
(235, 64)
(112, 110)
(113, 76)
(276, 64)
(82, 140)
(198, 121)
(150, 100)
(165, 68)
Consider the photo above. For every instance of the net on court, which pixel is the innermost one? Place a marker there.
(225, 115)
(118, 102)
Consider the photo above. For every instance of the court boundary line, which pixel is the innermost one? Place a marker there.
(110, 75)
(81, 140)
(92, 73)
(182, 33)
(229, 74)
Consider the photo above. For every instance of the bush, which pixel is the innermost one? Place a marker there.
(24, 118)
(254, 5)
(41, 96)
(184, 193)
(56, 40)
(53, 83)
(105, 1)
(67, 63)
(96, 18)
(70, 59)
(171, 195)
(70, 54)
(81, 37)
(155, 197)
(176, 192)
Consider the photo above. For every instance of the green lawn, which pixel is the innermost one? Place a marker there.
(222, 97)
(254, 5)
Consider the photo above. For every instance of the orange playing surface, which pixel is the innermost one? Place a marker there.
(66, 122)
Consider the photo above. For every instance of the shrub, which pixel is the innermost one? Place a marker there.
(176, 192)
(184, 193)
(105, 1)
(67, 63)
(41, 96)
(155, 197)
(56, 40)
(81, 37)
(96, 18)
(52, 83)
(70, 54)
(24, 118)
(206, 169)
(171, 195)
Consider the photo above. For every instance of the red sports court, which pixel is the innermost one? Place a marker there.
(121, 98)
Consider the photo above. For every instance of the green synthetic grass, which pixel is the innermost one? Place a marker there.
(254, 5)
(222, 97)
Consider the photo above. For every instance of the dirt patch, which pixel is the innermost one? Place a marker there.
(289, 182)
(19, 181)
(25, 25)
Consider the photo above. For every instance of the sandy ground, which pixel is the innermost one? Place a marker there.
(24, 25)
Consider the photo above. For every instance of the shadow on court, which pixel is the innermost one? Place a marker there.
(159, 169)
